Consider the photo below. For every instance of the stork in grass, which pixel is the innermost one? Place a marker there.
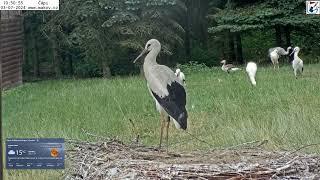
(297, 63)
(165, 88)
(181, 76)
(251, 71)
(274, 56)
(228, 67)
(275, 53)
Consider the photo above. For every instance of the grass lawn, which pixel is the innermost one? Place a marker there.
(224, 109)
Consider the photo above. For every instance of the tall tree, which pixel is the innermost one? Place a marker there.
(99, 28)
(253, 15)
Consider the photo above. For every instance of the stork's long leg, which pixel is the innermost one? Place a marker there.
(161, 130)
(167, 133)
(274, 66)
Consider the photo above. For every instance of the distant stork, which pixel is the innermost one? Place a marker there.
(165, 88)
(275, 53)
(228, 67)
(181, 76)
(252, 70)
(297, 63)
(274, 56)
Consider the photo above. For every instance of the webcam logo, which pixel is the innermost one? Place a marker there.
(313, 7)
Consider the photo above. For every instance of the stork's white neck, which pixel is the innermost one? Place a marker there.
(149, 62)
(296, 54)
(151, 58)
(287, 52)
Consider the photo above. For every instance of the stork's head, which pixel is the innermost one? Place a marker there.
(178, 71)
(223, 62)
(296, 49)
(152, 45)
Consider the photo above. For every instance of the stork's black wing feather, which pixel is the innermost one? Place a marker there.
(291, 56)
(175, 103)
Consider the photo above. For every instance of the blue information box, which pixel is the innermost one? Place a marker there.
(33, 153)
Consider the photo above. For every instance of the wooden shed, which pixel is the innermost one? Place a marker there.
(11, 48)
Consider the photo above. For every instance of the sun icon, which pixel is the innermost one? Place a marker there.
(54, 152)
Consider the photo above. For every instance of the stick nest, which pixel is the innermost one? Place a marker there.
(112, 159)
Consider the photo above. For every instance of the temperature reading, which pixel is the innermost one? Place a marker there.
(20, 152)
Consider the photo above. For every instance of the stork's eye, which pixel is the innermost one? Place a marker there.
(148, 45)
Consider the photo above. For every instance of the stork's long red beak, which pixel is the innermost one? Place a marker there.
(141, 54)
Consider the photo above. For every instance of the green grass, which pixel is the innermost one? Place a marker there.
(224, 109)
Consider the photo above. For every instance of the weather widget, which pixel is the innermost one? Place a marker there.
(43, 153)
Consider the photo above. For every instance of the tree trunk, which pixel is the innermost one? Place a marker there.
(187, 41)
(56, 58)
(278, 35)
(223, 54)
(239, 48)
(36, 60)
(288, 35)
(288, 41)
(106, 72)
(232, 55)
(204, 7)
(70, 59)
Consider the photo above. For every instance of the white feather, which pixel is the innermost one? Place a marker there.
(252, 70)
(274, 56)
(297, 63)
(235, 69)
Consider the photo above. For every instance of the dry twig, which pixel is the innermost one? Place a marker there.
(113, 159)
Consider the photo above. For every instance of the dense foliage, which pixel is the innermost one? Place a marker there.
(90, 38)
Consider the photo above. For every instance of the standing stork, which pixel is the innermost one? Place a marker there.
(274, 56)
(228, 67)
(165, 88)
(275, 53)
(297, 63)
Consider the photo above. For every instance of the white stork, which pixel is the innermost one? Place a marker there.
(275, 53)
(252, 70)
(181, 76)
(165, 88)
(228, 67)
(274, 56)
(297, 63)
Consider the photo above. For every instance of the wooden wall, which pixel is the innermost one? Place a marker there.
(11, 48)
